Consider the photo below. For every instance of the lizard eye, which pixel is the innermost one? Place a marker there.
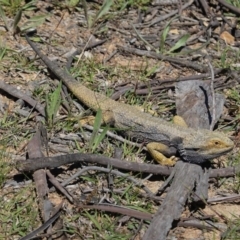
(216, 142)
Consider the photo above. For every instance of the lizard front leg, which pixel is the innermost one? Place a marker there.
(157, 149)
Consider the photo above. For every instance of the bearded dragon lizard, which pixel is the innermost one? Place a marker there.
(156, 132)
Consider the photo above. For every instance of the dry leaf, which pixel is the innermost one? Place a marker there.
(174, 31)
(227, 37)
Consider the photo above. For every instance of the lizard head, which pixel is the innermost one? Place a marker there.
(210, 144)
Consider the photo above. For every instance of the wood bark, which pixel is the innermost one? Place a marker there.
(185, 177)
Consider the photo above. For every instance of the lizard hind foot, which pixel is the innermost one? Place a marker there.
(179, 121)
(87, 120)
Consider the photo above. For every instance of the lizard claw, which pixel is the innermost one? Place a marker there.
(169, 161)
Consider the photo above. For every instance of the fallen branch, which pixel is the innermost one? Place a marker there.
(185, 177)
(179, 61)
(13, 91)
(56, 161)
(117, 209)
(53, 162)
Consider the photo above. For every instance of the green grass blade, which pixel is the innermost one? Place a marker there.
(3, 16)
(96, 127)
(73, 3)
(16, 21)
(3, 51)
(180, 43)
(53, 101)
(94, 220)
(30, 6)
(99, 138)
(165, 33)
(34, 22)
(103, 10)
(5, 2)
(164, 37)
(85, 9)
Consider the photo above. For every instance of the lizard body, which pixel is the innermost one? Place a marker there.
(157, 132)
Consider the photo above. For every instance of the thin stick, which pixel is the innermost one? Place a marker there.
(161, 18)
(115, 172)
(230, 6)
(213, 97)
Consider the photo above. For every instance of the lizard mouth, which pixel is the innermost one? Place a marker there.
(211, 155)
